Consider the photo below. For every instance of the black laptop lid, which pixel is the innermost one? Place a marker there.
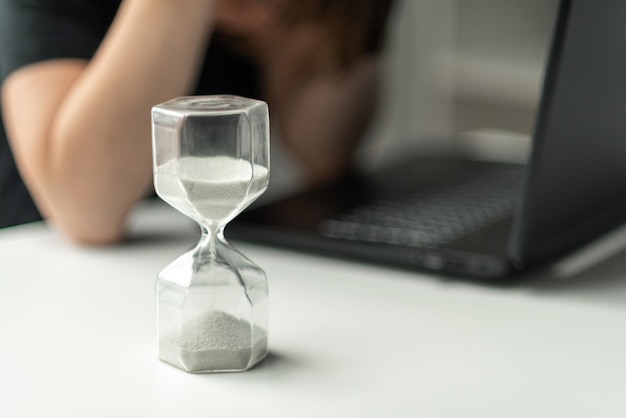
(576, 184)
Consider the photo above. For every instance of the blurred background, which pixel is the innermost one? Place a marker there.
(470, 67)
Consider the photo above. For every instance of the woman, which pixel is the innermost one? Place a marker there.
(79, 78)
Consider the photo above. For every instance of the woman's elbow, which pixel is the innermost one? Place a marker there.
(86, 227)
(95, 238)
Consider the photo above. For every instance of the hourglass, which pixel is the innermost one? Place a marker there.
(211, 160)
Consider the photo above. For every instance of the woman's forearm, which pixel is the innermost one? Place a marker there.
(92, 162)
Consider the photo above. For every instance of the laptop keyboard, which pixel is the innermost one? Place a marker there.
(481, 195)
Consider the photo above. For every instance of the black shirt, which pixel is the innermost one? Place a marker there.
(37, 30)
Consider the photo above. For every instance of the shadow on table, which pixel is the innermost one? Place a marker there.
(163, 237)
(276, 362)
(594, 273)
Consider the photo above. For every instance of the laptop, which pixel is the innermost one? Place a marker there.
(487, 219)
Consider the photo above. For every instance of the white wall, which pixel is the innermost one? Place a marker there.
(417, 82)
(459, 65)
(501, 47)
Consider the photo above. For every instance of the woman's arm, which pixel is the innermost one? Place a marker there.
(80, 131)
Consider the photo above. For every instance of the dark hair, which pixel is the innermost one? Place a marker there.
(355, 27)
(340, 33)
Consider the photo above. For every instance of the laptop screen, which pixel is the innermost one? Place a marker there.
(576, 185)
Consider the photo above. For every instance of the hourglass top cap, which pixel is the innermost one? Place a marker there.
(216, 104)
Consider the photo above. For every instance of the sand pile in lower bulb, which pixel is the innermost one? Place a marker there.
(214, 341)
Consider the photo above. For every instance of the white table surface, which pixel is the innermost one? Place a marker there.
(346, 339)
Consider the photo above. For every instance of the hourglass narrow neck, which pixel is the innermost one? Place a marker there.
(210, 232)
(206, 248)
